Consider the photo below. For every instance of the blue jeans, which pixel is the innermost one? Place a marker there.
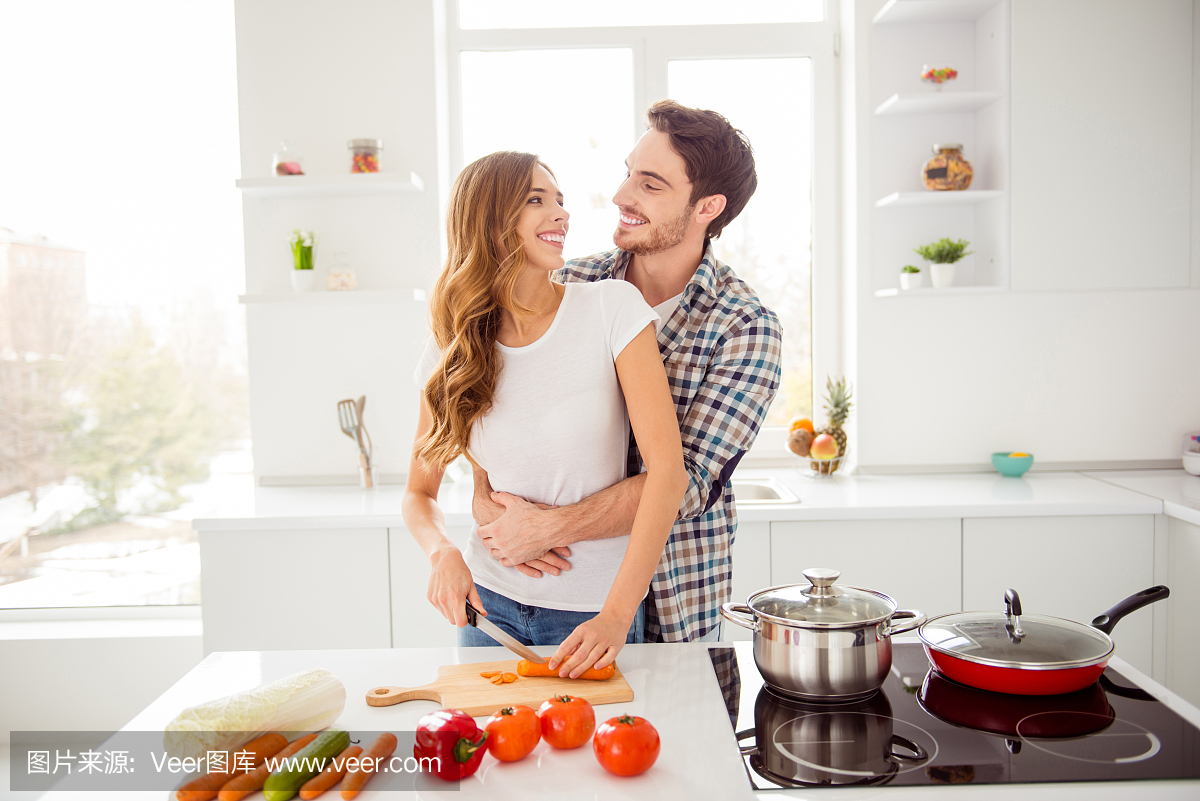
(535, 625)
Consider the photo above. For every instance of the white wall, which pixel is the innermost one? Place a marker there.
(1073, 377)
(1092, 377)
(320, 73)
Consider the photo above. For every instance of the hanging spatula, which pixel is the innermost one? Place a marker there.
(349, 420)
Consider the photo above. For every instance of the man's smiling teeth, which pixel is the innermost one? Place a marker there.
(559, 238)
(625, 218)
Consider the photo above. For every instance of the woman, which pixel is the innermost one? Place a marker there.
(531, 380)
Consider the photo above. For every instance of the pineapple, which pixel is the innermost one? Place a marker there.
(837, 407)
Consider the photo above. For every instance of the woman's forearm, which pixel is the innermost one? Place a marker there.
(652, 524)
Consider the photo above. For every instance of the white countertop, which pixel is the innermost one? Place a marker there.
(1177, 489)
(852, 497)
(674, 686)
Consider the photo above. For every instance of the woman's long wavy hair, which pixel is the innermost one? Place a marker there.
(477, 283)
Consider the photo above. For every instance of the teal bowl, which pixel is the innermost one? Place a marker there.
(1009, 466)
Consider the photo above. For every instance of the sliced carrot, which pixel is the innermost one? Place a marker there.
(497, 679)
(250, 783)
(383, 747)
(527, 668)
(509, 678)
(208, 786)
(490, 673)
(330, 776)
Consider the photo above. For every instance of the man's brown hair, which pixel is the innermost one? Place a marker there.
(718, 157)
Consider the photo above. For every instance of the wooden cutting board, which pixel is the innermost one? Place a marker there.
(461, 687)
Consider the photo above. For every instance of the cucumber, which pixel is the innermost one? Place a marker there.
(283, 783)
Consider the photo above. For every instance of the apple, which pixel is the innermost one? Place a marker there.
(823, 447)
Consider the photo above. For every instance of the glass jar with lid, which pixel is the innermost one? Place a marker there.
(287, 160)
(364, 154)
(947, 170)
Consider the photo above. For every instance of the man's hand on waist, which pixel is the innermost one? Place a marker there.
(522, 533)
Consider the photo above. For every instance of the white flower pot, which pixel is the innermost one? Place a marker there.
(942, 275)
(304, 280)
(910, 280)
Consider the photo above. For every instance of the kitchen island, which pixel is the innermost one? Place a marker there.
(675, 687)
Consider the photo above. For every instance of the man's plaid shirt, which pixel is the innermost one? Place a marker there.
(721, 348)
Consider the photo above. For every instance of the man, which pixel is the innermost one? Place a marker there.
(686, 179)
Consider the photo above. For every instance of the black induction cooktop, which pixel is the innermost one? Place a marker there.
(924, 729)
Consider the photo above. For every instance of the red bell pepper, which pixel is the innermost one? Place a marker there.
(452, 737)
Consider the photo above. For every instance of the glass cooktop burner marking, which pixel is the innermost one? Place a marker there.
(1121, 737)
(894, 767)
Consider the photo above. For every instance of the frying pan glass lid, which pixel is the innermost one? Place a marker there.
(1027, 641)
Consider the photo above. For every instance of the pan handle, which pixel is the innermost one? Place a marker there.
(1109, 619)
(738, 613)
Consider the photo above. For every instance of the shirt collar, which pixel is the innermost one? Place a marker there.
(703, 280)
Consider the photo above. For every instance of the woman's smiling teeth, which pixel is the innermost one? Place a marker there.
(553, 237)
(625, 218)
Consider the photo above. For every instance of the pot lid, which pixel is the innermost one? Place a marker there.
(822, 604)
(1011, 639)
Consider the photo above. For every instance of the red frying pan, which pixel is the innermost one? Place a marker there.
(1008, 652)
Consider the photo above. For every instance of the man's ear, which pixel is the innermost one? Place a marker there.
(709, 208)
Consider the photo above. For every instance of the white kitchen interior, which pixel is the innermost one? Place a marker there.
(1072, 333)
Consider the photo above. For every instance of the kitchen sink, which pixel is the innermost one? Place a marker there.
(761, 490)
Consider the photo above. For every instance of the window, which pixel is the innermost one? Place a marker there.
(122, 348)
(576, 95)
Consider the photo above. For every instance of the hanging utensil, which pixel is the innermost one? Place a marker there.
(1011, 652)
(348, 417)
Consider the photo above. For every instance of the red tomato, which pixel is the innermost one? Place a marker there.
(567, 721)
(513, 732)
(626, 745)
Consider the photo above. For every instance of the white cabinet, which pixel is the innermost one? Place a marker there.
(1068, 567)
(917, 562)
(415, 621)
(1183, 577)
(751, 570)
(304, 589)
(1101, 144)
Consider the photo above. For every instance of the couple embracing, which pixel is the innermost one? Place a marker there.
(538, 370)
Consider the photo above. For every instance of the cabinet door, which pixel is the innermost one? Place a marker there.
(751, 570)
(415, 621)
(294, 590)
(917, 562)
(1183, 577)
(1068, 567)
(1101, 144)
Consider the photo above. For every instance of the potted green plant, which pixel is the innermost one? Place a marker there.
(303, 242)
(910, 277)
(942, 256)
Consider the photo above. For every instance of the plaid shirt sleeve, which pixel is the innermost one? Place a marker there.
(728, 408)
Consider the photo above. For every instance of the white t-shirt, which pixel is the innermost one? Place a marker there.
(558, 432)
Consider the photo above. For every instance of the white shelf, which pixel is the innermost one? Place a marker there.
(349, 296)
(938, 103)
(927, 291)
(932, 198)
(902, 11)
(376, 183)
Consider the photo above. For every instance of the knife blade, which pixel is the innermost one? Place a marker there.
(499, 635)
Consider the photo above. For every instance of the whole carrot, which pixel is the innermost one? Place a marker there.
(527, 668)
(252, 782)
(383, 747)
(330, 776)
(206, 787)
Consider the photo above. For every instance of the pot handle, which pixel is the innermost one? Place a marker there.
(747, 750)
(915, 620)
(737, 613)
(1109, 619)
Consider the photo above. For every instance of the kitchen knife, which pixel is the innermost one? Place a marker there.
(499, 635)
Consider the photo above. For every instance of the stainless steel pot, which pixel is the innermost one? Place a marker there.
(823, 642)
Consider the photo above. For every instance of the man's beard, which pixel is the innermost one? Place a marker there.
(662, 237)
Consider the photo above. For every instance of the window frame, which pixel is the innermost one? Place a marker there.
(653, 48)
